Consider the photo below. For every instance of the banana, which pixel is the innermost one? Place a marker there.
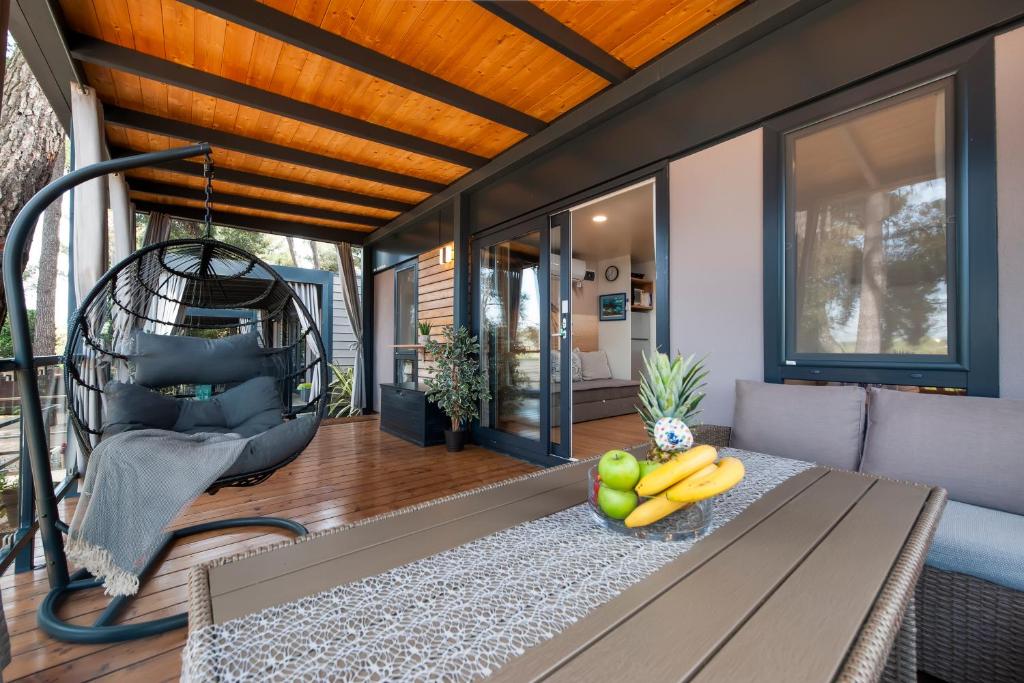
(651, 511)
(676, 470)
(695, 478)
(729, 473)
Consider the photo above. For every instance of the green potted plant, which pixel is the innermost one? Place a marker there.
(9, 499)
(458, 385)
(424, 328)
(670, 389)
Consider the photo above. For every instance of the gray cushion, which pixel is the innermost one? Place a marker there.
(249, 398)
(818, 424)
(275, 445)
(259, 423)
(980, 542)
(162, 360)
(971, 446)
(129, 406)
(594, 365)
(196, 413)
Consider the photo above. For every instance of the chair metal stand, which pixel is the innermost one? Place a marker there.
(51, 528)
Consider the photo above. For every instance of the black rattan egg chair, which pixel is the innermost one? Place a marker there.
(140, 329)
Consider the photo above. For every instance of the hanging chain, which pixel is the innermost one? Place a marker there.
(208, 174)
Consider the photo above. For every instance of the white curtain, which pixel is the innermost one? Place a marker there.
(123, 215)
(166, 307)
(89, 239)
(158, 229)
(350, 295)
(307, 293)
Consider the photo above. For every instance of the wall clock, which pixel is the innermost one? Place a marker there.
(611, 273)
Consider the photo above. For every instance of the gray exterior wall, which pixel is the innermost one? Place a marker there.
(343, 353)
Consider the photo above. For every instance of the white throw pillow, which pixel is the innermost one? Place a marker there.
(577, 366)
(595, 365)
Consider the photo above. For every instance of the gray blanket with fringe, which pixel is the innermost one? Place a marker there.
(136, 483)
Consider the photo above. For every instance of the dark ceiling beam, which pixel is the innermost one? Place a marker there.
(534, 21)
(286, 28)
(274, 226)
(93, 51)
(218, 138)
(231, 175)
(225, 198)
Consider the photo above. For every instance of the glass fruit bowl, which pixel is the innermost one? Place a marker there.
(687, 523)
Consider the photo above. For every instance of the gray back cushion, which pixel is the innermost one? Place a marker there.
(818, 424)
(248, 399)
(195, 413)
(164, 360)
(129, 406)
(971, 446)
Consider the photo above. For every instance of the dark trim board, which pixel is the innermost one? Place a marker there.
(431, 231)
(183, 192)
(271, 183)
(93, 51)
(288, 29)
(187, 131)
(39, 35)
(258, 223)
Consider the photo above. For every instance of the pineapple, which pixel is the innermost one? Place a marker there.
(669, 389)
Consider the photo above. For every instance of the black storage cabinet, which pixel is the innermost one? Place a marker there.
(406, 413)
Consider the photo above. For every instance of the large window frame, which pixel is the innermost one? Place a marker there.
(967, 75)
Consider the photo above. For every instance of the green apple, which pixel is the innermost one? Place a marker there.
(648, 466)
(619, 470)
(616, 504)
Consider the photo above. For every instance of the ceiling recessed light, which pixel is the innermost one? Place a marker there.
(600, 218)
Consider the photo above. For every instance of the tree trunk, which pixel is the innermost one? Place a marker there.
(30, 138)
(291, 250)
(45, 341)
(873, 285)
(316, 254)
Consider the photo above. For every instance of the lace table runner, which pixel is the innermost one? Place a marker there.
(460, 614)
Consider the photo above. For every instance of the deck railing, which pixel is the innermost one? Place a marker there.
(18, 529)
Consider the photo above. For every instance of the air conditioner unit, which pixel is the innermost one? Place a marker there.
(579, 267)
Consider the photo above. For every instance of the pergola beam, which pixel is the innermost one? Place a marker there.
(286, 28)
(221, 198)
(256, 223)
(94, 51)
(266, 182)
(218, 138)
(534, 21)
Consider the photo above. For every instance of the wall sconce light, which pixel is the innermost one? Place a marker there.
(446, 254)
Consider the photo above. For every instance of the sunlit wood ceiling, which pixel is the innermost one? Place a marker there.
(345, 113)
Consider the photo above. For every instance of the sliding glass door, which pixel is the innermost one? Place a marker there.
(560, 340)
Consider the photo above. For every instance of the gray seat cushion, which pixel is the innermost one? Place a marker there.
(817, 424)
(971, 446)
(129, 406)
(167, 360)
(987, 544)
(275, 445)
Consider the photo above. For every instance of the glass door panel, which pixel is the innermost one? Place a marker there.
(510, 294)
(560, 345)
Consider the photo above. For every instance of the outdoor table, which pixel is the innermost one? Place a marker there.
(813, 580)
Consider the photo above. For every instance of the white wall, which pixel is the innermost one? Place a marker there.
(716, 284)
(1010, 186)
(383, 331)
(614, 336)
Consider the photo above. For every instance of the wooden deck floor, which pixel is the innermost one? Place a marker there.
(351, 471)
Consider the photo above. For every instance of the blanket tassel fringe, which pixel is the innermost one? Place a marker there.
(98, 562)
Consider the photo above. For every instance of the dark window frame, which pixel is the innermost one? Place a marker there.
(403, 355)
(971, 238)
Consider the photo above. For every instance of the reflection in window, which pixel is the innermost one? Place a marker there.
(868, 196)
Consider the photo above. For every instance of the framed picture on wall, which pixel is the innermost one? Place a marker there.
(612, 306)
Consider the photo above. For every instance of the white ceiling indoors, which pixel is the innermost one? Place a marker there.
(628, 230)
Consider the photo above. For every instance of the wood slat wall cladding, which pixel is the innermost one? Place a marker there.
(435, 298)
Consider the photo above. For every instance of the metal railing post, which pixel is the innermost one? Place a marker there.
(25, 559)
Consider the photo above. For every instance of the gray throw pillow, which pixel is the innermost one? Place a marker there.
(250, 398)
(166, 360)
(971, 446)
(594, 365)
(130, 406)
(259, 423)
(195, 413)
(275, 445)
(817, 424)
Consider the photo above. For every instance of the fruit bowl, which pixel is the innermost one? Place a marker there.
(687, 523)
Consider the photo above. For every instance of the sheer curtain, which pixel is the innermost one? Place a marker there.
(350, 295)
(308, 294)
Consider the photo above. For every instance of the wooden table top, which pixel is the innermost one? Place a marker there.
(782, 592)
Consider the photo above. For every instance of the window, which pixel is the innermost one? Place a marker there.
(406, 314)
(880, 234)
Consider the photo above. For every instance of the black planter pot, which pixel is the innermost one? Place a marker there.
(455, 440)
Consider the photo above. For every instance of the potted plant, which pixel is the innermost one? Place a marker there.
(458, 385)
(424, 329)
(671, 391)
(9, 498)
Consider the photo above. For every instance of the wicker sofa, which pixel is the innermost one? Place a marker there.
(970, 598)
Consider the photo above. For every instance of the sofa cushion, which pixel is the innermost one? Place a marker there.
(980, 542)
(166, 360)
(194, 413)
(130, 406)
(274, 445)
(818, 424)
(971, 446)
(258, 395)
(594, 365)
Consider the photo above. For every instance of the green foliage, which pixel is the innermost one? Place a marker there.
(424, 328)
(458, 385)
(339, 402)
(7, 343)
(670, 389)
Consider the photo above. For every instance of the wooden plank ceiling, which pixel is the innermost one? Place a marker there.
(345, 113)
